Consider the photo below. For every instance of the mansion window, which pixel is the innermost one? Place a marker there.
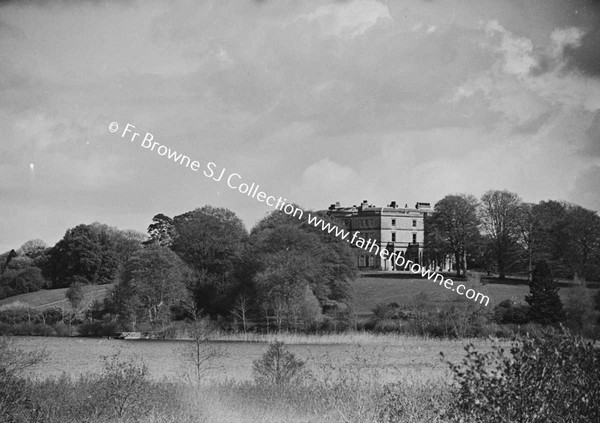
(414, 238)
(393, 236)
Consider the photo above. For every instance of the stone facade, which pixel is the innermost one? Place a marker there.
(392, 227)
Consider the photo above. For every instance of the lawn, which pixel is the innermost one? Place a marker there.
(368, 291)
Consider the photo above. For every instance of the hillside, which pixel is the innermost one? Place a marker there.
(368, 291)
(47, 298)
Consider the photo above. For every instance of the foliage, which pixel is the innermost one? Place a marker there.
(122, 392)
(277, 366)
(291, 263)
(554, 378)
(120, 387)
(14, 398)
(75, 295)
(510, 312)
(154, 279)
(581, 317)
(211, 240)
(499, 213)
(85, 254)
(453, 228)
(161, 231)
(26, 279)
(545, 304)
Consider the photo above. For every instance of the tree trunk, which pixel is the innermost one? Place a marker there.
(458, 265)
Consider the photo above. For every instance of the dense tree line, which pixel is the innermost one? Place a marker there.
(502, 233)
(284, 272)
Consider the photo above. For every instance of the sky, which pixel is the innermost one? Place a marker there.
(315, 101)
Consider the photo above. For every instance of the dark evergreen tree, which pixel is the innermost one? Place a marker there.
(545, 304)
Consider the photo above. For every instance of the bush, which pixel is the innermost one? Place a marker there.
(97, 329)
(120, 388)
(15, 402)
(555, 378)
(510, 312)
(277, 366)
(50, 316)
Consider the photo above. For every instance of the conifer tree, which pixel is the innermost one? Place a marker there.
(545, 304)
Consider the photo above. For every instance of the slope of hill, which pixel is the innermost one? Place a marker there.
(47, 298)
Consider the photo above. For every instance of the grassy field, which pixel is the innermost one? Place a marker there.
(47, 298)
(385, 288)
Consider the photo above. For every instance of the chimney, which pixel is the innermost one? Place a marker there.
(393, 204)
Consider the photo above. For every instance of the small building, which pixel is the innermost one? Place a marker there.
(398, 229)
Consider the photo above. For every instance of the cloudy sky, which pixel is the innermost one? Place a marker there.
(316, 101)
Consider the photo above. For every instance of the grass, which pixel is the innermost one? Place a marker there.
(370, 291)
(47, 298)
(335, 389)
(347, 338)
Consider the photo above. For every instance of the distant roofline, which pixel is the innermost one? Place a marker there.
(366, 207)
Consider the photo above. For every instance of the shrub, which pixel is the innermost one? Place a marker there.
(510, 312)
(277, 366)
(555, 378)
(15, 403)
(50, 316)
(121, 387)
(95, 329)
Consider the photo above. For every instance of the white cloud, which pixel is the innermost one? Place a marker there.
(563, 37)
(328, 173)
(349, 19)
(516, 51)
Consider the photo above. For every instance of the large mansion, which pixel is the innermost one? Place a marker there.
(398, 229)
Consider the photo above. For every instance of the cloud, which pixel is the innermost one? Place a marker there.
(323, 182)
(584, 55)
(515, 51)
(585, 191)
(348, 19)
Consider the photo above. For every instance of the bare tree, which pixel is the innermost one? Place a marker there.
(240, 310)
(201, 354)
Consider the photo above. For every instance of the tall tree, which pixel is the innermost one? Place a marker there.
(550, 228)
(155, 279)
(162, 231)
(499, 213)
(211, 241)
(292, 258)
(90, 254)
(454, 226)
(545, 304)
(583, 230)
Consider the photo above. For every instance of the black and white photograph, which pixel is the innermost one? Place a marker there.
(318, 211)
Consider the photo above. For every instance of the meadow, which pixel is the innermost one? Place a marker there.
(347, 376)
